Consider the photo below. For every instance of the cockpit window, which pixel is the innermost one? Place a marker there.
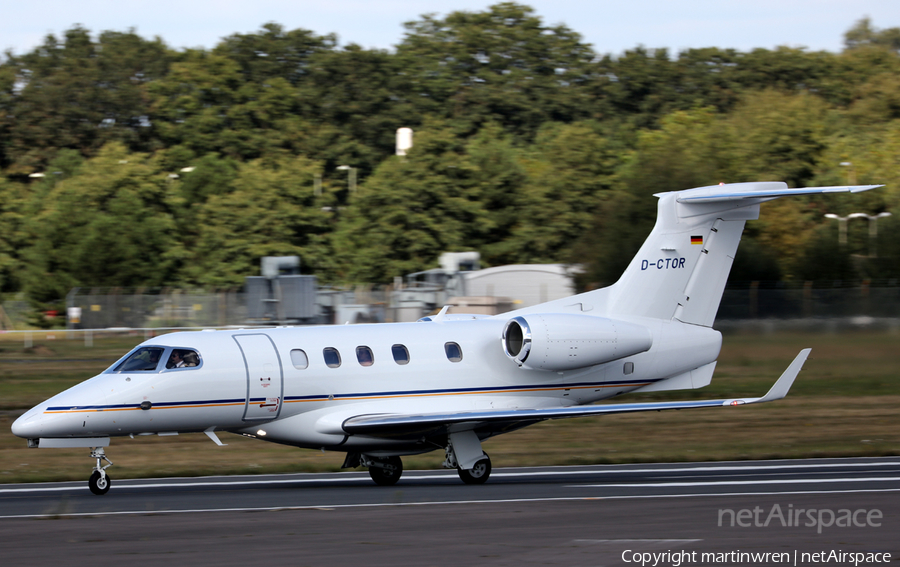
(183, 358)
(143, 359)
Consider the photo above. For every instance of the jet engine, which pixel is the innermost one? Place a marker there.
(559, 341)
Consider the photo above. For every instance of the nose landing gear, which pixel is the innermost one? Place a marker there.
(99, 482)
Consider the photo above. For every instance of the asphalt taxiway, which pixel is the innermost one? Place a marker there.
(593, 515)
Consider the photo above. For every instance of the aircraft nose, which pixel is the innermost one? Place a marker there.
(28, 425)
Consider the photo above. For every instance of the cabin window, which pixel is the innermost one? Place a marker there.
(143, 359)
(183, 358)
(364, 356)
(332, 357)
(629, 368)
(299, 359)
(401, 354)
(454, 353)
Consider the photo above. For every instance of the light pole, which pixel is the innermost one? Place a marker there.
(842, 227)
(351, 176)
(851, 172)
(873, 228)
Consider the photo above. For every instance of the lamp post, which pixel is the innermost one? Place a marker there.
(873, 228)
(851, 172)
(842, 227)
(351, 176)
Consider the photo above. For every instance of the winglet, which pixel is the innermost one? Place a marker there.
(781, 386)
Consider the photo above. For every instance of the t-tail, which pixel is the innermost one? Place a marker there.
(681, 269)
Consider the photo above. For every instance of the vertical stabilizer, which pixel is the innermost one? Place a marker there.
(681, 270)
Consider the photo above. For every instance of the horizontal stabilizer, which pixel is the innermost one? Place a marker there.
(393, 425)
(768, 190)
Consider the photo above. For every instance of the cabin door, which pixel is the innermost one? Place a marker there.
(264, 384)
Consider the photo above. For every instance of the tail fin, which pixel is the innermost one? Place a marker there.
(681, 270)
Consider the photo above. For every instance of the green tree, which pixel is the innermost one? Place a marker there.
(863, 33)
(13, 199)
(272, 211)
(352, 92)
(411, 210)
(7, 100)
(273, 52)
(570, 176)
(191, 105)
(691, 149)
(109, 224)
(640, 84)
(502, 65)
(778, 137)
(824, 259)
(79, 94)
(500, 180)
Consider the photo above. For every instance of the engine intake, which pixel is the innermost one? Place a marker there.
(559, 341)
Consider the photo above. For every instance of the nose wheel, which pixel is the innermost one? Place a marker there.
(99, 482)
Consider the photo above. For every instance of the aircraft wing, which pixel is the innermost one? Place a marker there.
(402, 425)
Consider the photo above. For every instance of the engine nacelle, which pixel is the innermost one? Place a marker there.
(559, 341)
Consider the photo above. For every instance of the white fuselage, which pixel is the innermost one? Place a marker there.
(249, 382)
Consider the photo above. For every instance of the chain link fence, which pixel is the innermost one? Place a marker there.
(806, 301)
(861, 305)
(103, 309)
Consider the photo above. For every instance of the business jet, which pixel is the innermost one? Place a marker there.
(379, 392)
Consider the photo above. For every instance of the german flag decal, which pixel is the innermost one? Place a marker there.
(697, 240)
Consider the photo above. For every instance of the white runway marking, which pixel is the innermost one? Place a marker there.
(701, 469)
(637, 540)
(340, 478)
(325, 507)
(739, 482)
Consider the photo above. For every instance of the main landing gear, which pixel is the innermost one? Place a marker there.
(99, 482)
(463, 453)
(478, 474)
(385, 471)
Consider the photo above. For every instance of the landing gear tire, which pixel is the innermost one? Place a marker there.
(479, 473)
(99, 483)
(389, 474)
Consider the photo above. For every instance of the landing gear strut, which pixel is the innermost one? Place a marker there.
(385, 471)
(465, 447)
(99, 482)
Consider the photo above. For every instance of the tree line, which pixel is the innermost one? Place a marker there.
(127, 163)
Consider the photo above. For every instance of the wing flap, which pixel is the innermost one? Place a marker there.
(404, 424)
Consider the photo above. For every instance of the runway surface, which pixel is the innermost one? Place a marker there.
(593, 515)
